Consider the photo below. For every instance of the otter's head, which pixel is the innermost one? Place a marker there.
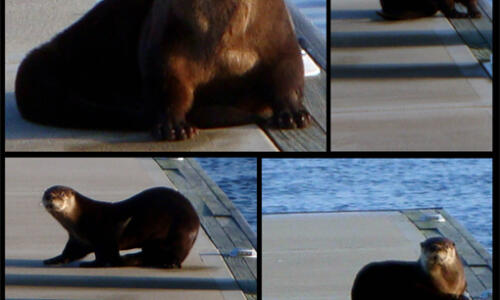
(59, 200)
(437, 252)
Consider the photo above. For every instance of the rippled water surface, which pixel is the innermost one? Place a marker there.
(237, 177)
(462, 186)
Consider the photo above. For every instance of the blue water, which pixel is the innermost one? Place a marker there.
(462, 186)
(237, 177)
(314, 10)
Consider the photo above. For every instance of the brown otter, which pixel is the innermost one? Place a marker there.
(410, 9)
(438, 274)
(159, 220)
(169, 65)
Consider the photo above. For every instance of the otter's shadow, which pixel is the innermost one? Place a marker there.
(33, 263)
(123, 282)
(18, 128)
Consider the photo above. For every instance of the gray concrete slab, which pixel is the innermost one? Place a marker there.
(317, 256)
(29, 23)
(405, 85)
(32, 235)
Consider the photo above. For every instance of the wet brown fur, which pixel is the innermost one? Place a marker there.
(168, 65)
(396, 280)
(160, 221)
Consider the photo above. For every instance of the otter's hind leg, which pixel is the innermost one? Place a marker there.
(48, 93)
(40, 92)
(169, 253)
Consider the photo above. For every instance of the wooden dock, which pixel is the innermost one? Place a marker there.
(317, 255)
(220, 219)
(23, 33)
(412, 85)
(32, 235)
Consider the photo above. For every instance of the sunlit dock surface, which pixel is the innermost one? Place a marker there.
(408, 85)
(32, 235)
(24, 32)
(317, 255)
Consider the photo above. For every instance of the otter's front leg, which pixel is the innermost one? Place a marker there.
(167, 93)
(176, 101)
(73, 250)
(288, 81)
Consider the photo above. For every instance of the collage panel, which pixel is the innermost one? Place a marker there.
(187, 228)
(377, 229)
(413, 75)
(197, 95)
(130, 75)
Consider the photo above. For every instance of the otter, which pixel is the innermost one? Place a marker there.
(168, 65)
(437, 275)
(411, 9)
(159, 220)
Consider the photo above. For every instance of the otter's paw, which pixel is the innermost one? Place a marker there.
(289, 120)
(56, 260)
(168, 131)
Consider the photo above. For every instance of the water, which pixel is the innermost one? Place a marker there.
(461, 186)
(314, 10)
(237, 177)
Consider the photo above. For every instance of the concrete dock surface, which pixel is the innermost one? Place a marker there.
(404, 85)
(29, 23)
(32, 235)
(317, 255)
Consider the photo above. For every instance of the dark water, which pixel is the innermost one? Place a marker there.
(237, 177)
(462, 186)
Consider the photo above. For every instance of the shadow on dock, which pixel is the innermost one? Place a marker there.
(121, 282)
(421, 70)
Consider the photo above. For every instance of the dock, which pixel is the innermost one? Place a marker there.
(23, 33)
(32, 235)
(412, 85)
(317, 255)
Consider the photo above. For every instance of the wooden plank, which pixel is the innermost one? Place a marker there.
(474, 286)
(313, 138)
(310, 37)
(464, 248)
(222, 197)
(216, 219)
(447, 229)
(315, 98)
(196, 184)
(465, 233)
(233, 231)
(477, 261)
(485, 276)
(486, 8)
(477, 33)
(472, 37)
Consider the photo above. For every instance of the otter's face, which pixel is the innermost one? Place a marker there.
(58, 199)
(437, 251)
